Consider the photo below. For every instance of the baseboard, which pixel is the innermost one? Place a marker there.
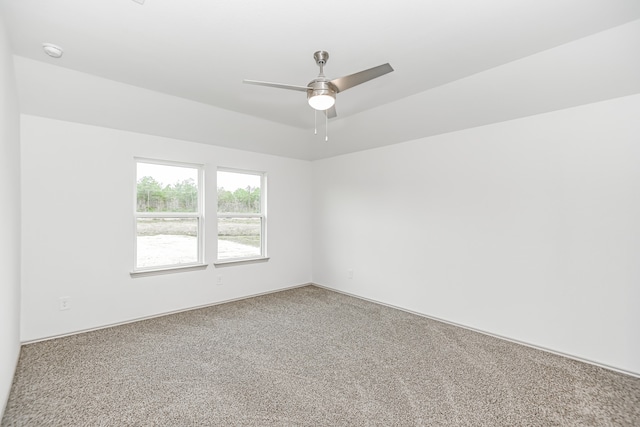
(168, 313)
(515, 341)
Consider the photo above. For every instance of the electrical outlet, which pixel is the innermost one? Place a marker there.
(65, 303)
(219, 280)
(350, 273)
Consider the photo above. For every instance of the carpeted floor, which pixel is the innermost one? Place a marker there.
(308, 357)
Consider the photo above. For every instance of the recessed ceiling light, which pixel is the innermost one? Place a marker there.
(52, 50)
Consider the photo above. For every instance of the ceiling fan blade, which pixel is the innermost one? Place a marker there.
(331, 112)
(346, 82)
(278, 85)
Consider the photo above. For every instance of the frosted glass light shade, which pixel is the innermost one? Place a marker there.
(321, 102)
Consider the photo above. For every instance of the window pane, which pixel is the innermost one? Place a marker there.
(166, 241)
(163, 188)
(238, 192)
(239, 238)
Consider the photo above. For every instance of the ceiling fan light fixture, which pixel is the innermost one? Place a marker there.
(321, 96)
(322, 102)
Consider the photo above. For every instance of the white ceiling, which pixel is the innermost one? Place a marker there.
(202, 49)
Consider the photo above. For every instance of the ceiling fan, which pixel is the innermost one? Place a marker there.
(321, 92)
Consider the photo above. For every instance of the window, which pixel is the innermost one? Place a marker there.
(169, 224)
(241, 215)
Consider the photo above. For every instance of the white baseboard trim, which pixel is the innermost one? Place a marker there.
(168, 313)
(515, 341)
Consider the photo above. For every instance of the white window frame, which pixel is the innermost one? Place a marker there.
(199, 216)
(262, 215)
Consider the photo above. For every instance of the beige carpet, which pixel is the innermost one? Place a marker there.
(308, 357)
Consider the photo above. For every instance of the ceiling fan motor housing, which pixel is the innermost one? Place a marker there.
(322, 94)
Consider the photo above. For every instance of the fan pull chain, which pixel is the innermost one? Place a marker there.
(315, 122)
(326, 125)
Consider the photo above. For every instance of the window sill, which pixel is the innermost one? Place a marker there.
(229, 263)
(143, 273)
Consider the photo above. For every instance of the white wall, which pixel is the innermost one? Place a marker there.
(9, 220)
(78, 231)
(527, 229)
